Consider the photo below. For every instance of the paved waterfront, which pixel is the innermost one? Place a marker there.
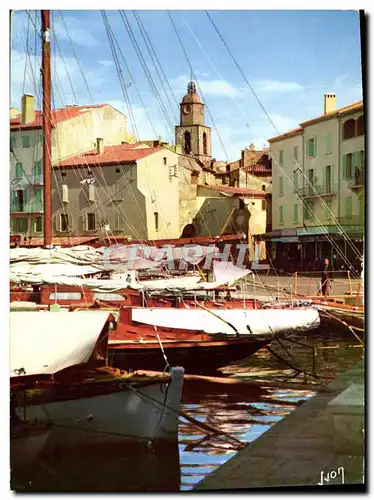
(308, 442)
(269, 286)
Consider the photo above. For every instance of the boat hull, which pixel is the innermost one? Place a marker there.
(205, 357)
(146, 411)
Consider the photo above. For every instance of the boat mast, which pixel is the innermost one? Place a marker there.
(47, 128)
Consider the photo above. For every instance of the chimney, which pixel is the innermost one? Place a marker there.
(27, 109)
(329, 103)
(99, 146)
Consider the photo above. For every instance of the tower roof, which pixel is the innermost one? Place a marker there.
(191, 96)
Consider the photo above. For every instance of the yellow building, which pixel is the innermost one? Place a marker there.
(318, 186)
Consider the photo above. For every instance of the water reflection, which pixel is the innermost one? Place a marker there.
(244, 411)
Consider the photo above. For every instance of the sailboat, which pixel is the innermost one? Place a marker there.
(59, 375)
(193, 314)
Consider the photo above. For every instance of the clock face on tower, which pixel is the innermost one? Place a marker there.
(186, 109)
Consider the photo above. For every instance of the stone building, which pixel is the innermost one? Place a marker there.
(74, 130)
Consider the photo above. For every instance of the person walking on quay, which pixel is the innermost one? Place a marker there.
(326, 277)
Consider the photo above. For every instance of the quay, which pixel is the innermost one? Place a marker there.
(319, 443)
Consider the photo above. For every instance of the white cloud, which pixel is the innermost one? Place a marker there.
(277, 86)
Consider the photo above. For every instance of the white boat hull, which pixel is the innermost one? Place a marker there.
(150, 412)
(231, 322)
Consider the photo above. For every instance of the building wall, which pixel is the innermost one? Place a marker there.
(358, 201)
(196, 132)
(288, 199)
(158, 182)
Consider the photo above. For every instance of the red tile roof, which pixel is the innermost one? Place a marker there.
(236, 190)
(58, 115)
(122, 153)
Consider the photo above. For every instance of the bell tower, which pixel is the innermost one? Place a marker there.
(192, 134)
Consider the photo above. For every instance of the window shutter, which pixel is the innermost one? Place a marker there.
(295, 181)
(295, 213)
(345, 167)
(91, 192)
(84, 222)
(58, 222)
(280, 215)
(315, 147)
(19, 169)
(356, 160)
(65, 193)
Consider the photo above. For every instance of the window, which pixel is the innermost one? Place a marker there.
(281, 158)
(187, 142)
(165, 160)
(241, 204)
(349, 129)
(280, 215)
(64, 222)
(328, 179)
(38, 224)
(12, 142)
(280, 186)
(228, 168)
(91, 192)
(348, 206)
(37, 171)
(308, 211)
(205, 144)
(328, 144)
(312, 147)
(25, 141)
(296, 213)
(65, 193)
(19, 169)
(360, 125)
(296, 153)
(118, 221)
(20, 225)
(38, 198)
(118, 170)
(117, 190)
(156, 221)
(295, 182)
(91, 222)
(347, 166)
(19, 200)
(263, 205)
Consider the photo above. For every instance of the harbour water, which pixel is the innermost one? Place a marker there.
(243, 411)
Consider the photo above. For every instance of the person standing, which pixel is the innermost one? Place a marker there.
(326, 277)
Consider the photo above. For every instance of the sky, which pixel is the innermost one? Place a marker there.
(289, 59)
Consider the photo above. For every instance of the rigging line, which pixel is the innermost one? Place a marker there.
(242, 73)
(97, 164)
(151, 53)
(240, 108)
(198, 85)
(158, 61)
(167, 231)
(257, 137)
(147, 73)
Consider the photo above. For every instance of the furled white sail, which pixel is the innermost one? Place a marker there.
(47, 342)
(230, 321)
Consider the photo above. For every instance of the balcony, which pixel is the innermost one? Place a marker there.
(357, 182)
(316, 191)
(26, 208)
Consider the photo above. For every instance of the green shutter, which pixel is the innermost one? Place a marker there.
(280, 215)
(25, 141)
(280, 186)
(37, 170)
(38, 195)
(281, 158)
(356, 160)
(19, 169)
(295, 181)
(315, 147)
(328, 143)
(345, 167)
(296, 213)
(296, 153)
